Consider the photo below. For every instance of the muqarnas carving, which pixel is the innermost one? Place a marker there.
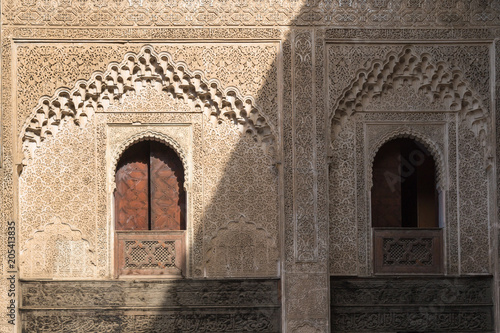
(434, 79)
(137, 72)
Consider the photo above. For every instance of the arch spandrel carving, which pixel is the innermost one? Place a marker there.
(242, 248)
(58, 250)
(106, 91)
(436, 80)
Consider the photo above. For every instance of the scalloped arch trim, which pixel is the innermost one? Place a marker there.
(56, 224)
(406, 132)
(436, 80)
(136, 71)
(153, 136)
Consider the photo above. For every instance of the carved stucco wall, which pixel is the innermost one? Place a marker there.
(496, 185)
(231, 177)
(381, 13)
(68, 26)
(240, 188)
(400, 108)
(60, 184)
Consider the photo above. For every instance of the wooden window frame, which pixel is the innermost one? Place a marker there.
(406, 249)
(151, 253)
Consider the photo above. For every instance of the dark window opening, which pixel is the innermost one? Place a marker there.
(404, 190)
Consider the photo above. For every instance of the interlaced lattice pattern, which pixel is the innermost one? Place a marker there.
(149, 254)
(407, 251)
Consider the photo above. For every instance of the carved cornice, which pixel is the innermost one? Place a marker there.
(146, 33)
(345, 13)
(243, 33)
(136, 71)
(406, 34)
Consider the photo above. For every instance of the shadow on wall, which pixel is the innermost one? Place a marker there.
(239, 228)
(241, 222)
(242, 219)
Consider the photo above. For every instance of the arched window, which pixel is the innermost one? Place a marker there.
(404, 190)
(150, 211)
(405, 209)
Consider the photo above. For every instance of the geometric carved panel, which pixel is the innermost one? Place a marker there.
(412, 304)
(241, 248)
(240, 205)
(60, 183)
(166, 305)
(150, 252)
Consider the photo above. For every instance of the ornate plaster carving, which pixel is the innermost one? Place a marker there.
(305, 152)
(307, 326)
(343, 207)
(154, 136)
(407, 34)
(57, 251)
(60, 182)
(425, 304)
(243, 182)
(436, 79)
(230, 319)
(346, 13)
(307, 302)
(117, 33)
(408, 109)
(136, 72)
(150, 99)
(242, 248)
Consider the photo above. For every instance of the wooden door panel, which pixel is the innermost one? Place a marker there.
(167, 193)
(131, 196)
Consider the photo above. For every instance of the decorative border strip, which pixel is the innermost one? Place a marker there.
(182, 293)
(146, 33)
(406, 34)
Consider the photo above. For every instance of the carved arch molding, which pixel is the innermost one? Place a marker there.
(408, 132)
(424, 74)
(136, 72)
(152, 136)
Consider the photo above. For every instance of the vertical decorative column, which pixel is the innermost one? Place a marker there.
(8, 225)
(496, 231)
(305, 275)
